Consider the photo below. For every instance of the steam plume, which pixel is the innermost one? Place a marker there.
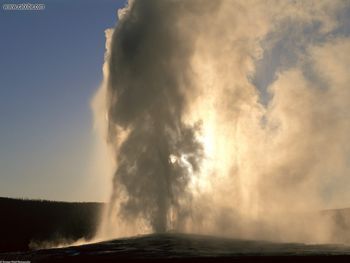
(196, 146)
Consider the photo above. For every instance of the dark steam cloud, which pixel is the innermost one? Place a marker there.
(147, 93)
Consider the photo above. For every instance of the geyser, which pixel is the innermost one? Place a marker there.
(200, 142)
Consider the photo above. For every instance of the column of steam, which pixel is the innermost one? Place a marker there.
(145, 99)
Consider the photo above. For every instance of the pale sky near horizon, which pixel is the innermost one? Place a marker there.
(51, 65)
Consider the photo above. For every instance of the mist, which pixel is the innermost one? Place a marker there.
(226, 118)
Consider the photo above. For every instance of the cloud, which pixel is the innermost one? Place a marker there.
(195, 147)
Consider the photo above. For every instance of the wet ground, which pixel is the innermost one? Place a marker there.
(185, 248)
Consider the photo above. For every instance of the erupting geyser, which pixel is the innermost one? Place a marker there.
(211, 135)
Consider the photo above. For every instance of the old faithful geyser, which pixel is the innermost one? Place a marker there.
(146, 98)
(226, 117)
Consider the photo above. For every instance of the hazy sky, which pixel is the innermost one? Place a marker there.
(51, 65)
